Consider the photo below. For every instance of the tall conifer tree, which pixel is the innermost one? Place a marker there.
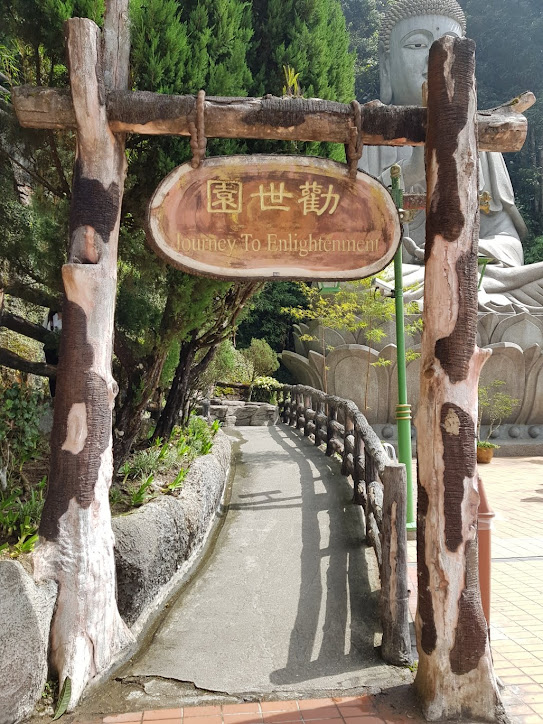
(309, 36)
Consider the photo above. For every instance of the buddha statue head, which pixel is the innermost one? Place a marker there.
(407, 31)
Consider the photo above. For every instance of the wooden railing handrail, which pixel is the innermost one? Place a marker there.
(361, 425)
(380, 486)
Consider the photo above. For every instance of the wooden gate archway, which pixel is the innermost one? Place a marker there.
(455, 676)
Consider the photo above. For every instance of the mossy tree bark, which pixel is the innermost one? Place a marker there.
(76, 538)
(455, 677)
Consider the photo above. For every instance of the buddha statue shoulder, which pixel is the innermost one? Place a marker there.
(407, 31)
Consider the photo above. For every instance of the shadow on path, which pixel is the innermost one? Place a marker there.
(335, 592)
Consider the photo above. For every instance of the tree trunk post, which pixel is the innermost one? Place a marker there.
(396, 646)
(455, 677)
(76, 538)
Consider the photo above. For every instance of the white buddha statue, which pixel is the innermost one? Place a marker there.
(408, 30)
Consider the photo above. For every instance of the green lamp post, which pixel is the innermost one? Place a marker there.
(403, 408)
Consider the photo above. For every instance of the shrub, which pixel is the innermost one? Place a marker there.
(21, 406)
(265, 390)
(496, 404)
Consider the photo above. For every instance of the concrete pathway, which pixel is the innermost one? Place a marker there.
(286, 603)
(289, 599)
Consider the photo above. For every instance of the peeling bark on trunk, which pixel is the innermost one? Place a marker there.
(455, 677)
(76, 538)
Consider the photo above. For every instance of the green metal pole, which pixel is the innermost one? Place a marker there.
(403, 408)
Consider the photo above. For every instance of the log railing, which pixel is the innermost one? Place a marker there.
(379, 486)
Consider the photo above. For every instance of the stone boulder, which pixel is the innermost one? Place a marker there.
(26, 609)
(244, 414)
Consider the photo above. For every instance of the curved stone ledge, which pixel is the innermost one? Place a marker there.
(154, 541)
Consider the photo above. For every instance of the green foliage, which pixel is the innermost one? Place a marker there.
(20, 408)
(20, 515)
(291, 89)
(310, 37)
(146, 473)
(63, 699)
(514, 30)
(177, 482)
(261, 358)
(362, 19)
(228, 364)
(266, 319)
(199, 435)
(496, 405)
(357, 307)
(533, 250)
(141, 494)
(487, 445)
(265, 390)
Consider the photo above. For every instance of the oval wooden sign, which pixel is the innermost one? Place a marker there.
(270, 217)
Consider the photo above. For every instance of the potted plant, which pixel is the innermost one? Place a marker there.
(497, 405)
(485, 450)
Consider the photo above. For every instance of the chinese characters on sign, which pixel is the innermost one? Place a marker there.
(274, 216)
(226, 197)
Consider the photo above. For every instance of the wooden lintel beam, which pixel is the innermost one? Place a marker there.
(296, 119)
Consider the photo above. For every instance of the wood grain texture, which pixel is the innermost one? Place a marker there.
(455, 678)
(270, 217)
(76, 539)
(500, 129)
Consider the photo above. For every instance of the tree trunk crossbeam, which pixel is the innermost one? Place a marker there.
(294, 119)
(379, 486)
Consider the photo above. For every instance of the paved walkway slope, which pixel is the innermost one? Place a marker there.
(288, 601)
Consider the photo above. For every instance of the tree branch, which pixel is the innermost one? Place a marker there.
(123, 351)
(16, 362)
(58, 164)
(16, 288)
(26, 328)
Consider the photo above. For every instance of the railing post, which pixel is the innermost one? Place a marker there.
(484, 537)
(332, 417)
(299, 410)
(370, 474)
(396, 645)
(360, 490)
(293, 407)
(348, 430)
(307, 406)
(319, 411)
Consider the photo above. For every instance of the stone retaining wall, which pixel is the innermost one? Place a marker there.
(232, 413)
(152, 544)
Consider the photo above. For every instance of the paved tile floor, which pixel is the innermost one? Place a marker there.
(514, 489)
(339, 710)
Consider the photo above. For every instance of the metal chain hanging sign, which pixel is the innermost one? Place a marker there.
(269, 217)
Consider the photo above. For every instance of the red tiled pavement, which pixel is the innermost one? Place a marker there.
(343, 710)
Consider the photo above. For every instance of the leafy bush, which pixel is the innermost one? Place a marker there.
(20, 517)
(496, 405)
(21, 406)
(161, 468)
(261, 358)
(265, 390)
